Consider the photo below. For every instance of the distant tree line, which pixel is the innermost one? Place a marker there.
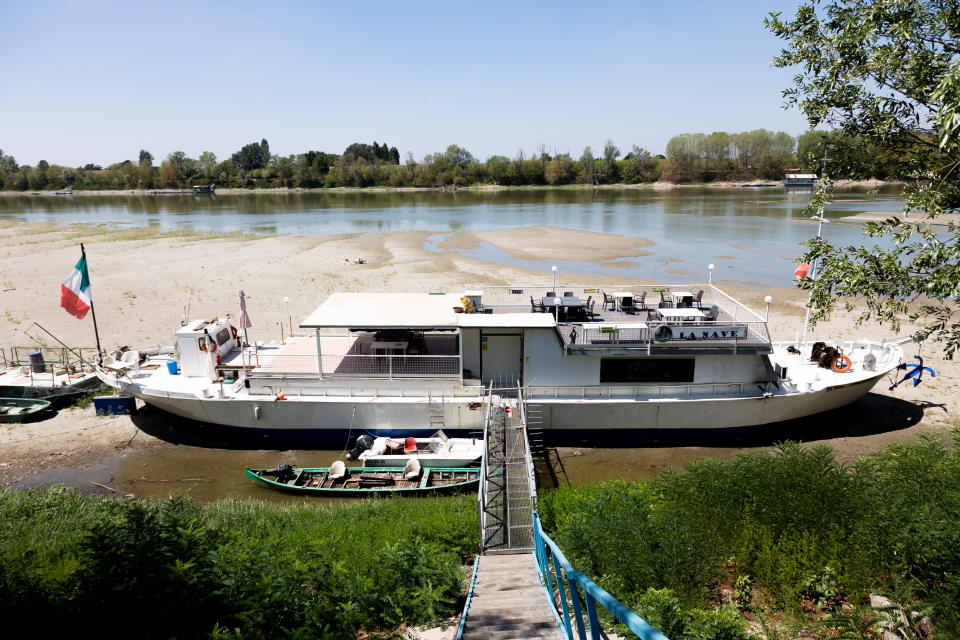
(690, 157)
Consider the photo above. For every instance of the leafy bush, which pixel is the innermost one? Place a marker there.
(789, 525)
(232, 569)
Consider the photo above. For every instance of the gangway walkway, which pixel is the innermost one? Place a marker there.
(522, 585)
(507, 598)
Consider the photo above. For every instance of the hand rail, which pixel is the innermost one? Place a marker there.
(580, 586)
(482, 487)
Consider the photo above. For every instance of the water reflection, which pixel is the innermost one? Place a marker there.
(690, 226)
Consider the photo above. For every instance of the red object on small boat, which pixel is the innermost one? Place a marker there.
(802, 270)
(409, 445)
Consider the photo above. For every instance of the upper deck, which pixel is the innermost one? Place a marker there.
(611, 319)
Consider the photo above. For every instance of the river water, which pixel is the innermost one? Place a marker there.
(740, 230)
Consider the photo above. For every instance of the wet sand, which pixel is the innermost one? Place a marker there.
(142, 281)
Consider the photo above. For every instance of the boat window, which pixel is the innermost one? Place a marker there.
(646, 370)
(222, 336)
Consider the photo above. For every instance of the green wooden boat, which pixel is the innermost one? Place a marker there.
(19, 409)
(340, 481)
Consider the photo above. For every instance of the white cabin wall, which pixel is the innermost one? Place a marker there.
(471, 351)
(545, 365)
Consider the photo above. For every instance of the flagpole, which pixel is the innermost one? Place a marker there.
(93, 312)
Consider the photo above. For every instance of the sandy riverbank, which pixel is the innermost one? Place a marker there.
(657, 186)
(142, 281)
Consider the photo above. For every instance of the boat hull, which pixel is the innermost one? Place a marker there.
(469, 480)
(565, 421)
(21, 409)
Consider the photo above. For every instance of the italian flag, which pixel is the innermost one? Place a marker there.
(75, 290)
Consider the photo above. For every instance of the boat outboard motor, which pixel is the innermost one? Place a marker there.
(283, 472)
(362, 444)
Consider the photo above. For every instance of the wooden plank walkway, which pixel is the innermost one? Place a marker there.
(508, 601)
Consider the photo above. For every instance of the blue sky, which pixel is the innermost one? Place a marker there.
(98, 81)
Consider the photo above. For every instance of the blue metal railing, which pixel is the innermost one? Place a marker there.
(573, 587)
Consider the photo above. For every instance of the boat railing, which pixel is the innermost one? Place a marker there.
(519, 295)
(353, 365)
(733, 307)
(528, 454)
(659, 336)
(571, 592)
(691, 390)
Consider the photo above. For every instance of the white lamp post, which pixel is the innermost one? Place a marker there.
(286, 301)
(768, 300)
(554, 269)
(710, 274)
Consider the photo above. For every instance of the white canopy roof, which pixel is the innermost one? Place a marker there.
(386, 311)
(410, 311)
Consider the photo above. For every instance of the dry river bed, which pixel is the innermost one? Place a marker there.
(143, 282)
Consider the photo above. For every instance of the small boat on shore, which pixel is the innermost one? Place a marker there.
(338, 480)
(204, 188)
(436, 451)
(51, 374)
(20, 409)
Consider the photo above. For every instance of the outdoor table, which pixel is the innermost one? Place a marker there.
(566, 307)
(681, 314)
(683, 297)
(619, 296)
(388, 348)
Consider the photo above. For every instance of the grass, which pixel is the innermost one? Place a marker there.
(139, 568)
(791, 533)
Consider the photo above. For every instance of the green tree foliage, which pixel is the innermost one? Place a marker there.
(884, 73)
(145, 158)
(372, 153)
(251, 156)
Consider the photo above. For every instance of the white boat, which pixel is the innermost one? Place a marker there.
(685, 366)
(43, 373)
(436, 451)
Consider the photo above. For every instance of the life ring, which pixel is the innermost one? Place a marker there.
(207, 343)
(663, 333)
(233, 330)
(841, 364)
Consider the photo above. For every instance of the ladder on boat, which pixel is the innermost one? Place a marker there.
(435, 416)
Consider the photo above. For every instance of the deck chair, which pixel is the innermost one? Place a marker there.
(588, 307)
(411, 471)
(568, 294)
(626, 305)
(711, 313)
(641, 302)
(536, 307)
(551, 294)
(698, 299)
(338, 470)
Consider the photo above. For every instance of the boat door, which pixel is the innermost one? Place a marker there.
(501, 358)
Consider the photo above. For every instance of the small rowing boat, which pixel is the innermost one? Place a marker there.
(340, 481)
(436, 451)
(19, 409)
